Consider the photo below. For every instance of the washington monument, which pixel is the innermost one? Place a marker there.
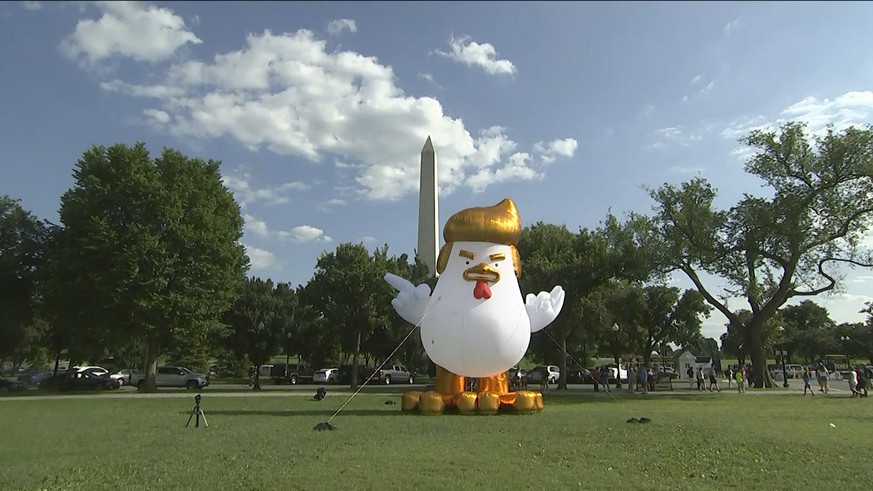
(428, 212)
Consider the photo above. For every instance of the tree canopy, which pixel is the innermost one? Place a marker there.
(792, 242)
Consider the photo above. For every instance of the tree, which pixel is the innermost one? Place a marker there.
(792, 243)
(343, 288)
(655, 315)
(149, 250)
(808, 327)
(256, 322)
(22, 242)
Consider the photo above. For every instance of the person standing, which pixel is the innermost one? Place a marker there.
(823, 378)
(807, 381)
(595, 376)
(644, 379)
(690, 373)
(729, 373)
(863, 381)
(700, 379)
(740, 382)
(631, 379)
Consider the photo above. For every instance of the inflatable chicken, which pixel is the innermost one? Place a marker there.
(476, 323)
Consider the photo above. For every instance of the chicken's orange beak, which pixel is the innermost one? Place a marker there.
(482, 272)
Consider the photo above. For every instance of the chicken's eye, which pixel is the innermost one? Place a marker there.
(468, 262)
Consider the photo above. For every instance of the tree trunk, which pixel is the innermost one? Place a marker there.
(755, 348)
(257, 385)
(151, 366)
(562, 382)
(354, 381)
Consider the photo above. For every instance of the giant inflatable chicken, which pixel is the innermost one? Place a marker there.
(476, 323)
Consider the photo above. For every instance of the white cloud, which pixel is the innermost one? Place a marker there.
(157, 116)
(32, 5)
(239, 184)
(335, 202)
(288, 94)
(708, 88)
(304, 233)
(261, 259)
(339, 25)
(472, 53)
(696, 79)
(850, 109)
(518, 168)
(128, 29)
(427, 77)
(256, 226)
(368, 239)
(550, 151)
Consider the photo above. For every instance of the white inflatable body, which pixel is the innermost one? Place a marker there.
(476, 337)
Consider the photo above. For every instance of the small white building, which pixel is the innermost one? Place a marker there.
(683, 360)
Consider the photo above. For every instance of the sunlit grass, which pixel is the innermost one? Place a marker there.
(710, 441)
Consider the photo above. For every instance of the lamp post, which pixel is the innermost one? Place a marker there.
(782, 354)
(845, 341)
(615, 352)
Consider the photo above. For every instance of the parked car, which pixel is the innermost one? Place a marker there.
(293, 373)
(579, 376)
(344, 374)
(536, 374)
(7, 385)
(79, 380)
(123, 375)
(32, 379)
(325, 376)
(392, 374)
(169, 376)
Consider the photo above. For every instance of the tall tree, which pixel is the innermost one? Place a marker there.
(655, 315)
(343, 288)
(808, 327)
(149, 250)
(256, 323)
(22, 241)
(791, 243)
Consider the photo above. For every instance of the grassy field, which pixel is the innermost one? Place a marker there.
(699, 441)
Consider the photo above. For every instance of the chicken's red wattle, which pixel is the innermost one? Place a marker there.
(482, 290)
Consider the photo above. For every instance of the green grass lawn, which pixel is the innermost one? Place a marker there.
(699, 441)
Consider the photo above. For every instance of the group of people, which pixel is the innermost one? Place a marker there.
(703, 375)
(859, 380)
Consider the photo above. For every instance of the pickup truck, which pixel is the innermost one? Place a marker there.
(393, 374)
(173, 377)
(291, 374)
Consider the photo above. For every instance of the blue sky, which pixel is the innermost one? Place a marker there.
(318, 110)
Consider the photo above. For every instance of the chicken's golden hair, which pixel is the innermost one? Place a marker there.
(498, 224)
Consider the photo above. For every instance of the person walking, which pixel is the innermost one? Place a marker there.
(713, 380)
(631, 379)
(863, 381)
(823, 378)
(740, 382)
(853, 383)
(807, 381)
(690, 373)
(729, 373)
(595, 376)
(700, 379)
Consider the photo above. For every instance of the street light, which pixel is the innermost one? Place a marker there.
(845, 340)
(782, 354)
(615, 352)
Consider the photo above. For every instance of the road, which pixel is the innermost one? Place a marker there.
(837, 387)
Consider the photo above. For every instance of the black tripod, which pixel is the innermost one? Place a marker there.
(198, 413)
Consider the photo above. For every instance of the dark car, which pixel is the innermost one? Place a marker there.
(33, 378)
(79, 381)
(579, 376)
(344, 374)
(293, 373)
(7, 385)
